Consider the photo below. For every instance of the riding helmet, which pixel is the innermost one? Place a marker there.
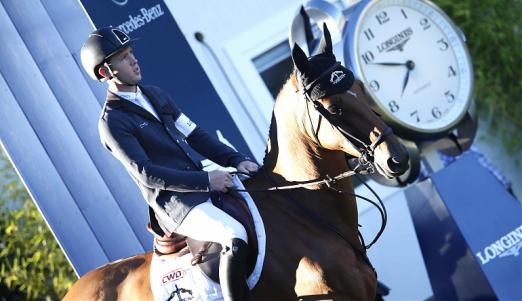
(100, 46)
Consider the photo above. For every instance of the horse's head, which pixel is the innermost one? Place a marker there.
(339, 116)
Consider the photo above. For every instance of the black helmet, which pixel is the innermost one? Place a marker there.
(100, 46)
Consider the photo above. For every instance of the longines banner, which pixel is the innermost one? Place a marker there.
(167, 61)
(470, 234)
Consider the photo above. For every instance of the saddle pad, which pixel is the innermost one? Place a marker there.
(260, 233)
(210, 261)
(174, 278)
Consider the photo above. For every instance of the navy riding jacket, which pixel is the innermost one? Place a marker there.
(156, 154)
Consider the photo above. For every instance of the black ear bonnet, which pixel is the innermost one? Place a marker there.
(329, 78)
(321, 75)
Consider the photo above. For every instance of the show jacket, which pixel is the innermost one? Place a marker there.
(156, 154)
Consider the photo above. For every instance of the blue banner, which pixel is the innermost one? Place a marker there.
(470, 232)
(490, 220)
(166, 60)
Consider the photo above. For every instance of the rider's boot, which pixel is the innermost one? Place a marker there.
(232, 271)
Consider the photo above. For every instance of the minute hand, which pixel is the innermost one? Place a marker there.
(389, 64)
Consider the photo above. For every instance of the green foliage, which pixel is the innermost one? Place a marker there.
(32, 265)
(494, 37)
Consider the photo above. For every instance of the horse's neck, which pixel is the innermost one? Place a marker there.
(291, 153)
(292, 156)
(299, 160)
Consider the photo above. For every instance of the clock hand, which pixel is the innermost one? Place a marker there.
(389, 64)
(405, 81)
(410, 65)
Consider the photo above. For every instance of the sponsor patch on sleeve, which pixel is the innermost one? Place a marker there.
(185, 125)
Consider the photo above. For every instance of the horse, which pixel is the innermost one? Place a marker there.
(308, 139)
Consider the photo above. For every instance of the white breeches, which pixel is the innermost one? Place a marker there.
(206, 222)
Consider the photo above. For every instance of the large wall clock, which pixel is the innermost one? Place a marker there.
(414, 63)
(415, 66)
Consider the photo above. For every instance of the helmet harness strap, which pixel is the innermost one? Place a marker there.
(112, 75)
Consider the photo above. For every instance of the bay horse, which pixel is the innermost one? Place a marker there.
(304, 259)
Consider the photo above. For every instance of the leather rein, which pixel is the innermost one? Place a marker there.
(365, 165)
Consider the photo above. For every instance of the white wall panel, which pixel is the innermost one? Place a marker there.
(42, 82)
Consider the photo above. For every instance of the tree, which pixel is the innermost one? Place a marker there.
(494, 38)
(32, 265)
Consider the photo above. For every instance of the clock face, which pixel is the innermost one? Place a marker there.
(414, 64)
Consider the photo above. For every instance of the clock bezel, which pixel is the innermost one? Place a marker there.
(351, 54)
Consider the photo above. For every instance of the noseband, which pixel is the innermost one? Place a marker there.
(367, 151)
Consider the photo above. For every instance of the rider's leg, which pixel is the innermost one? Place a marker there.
(232, 270)
(206, 222)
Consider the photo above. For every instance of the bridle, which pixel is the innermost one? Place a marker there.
(365, 164)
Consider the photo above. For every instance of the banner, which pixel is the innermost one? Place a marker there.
(470, 232)
(167, 61)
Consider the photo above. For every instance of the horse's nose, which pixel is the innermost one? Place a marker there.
(398, 164)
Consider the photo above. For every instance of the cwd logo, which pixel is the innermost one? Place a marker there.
(507, 245)
(173, 276)
(120, 2)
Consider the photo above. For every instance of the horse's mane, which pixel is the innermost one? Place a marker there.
(291, 83)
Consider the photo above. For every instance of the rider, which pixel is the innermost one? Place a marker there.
(144, 129)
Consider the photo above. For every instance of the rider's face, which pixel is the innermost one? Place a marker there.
(125, 67)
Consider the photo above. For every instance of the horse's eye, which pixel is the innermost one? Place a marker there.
(335, 109)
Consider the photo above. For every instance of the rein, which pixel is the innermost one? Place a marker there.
(329, 181)
(365, 165)
(365, 161)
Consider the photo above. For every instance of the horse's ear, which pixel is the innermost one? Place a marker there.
(326, 41)
(299, 58)
(307, 27)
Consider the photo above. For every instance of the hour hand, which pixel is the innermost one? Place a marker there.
(410, 65)
(405, 81)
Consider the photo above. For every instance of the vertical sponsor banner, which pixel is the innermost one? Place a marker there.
(470, 230)
(167, 61)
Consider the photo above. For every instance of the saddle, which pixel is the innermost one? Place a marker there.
(206, 254)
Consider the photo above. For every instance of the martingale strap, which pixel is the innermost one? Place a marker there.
(328, 226)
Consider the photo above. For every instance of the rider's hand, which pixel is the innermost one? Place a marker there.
(248, 167)
(219, 180)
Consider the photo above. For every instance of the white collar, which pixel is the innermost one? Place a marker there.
(129, 95)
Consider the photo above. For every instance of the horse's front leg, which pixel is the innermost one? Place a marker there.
(335, 280)
(310, 281)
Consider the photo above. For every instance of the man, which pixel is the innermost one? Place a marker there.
(144, 129)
